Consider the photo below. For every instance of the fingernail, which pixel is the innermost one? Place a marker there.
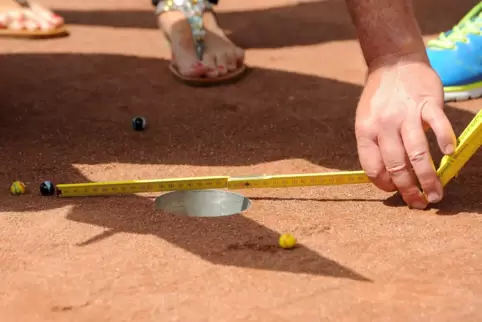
(433, 197)
(449, 149)
(419, 205)
(221, 67)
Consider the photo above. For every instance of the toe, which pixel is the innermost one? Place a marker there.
(194, 69)
(35, 22)
(209, 61)
(222, 62)
(49, 18)
(231, 60)
(31, 25)
(187, 62)
(239, 53)
(15, 20)
(3, 20)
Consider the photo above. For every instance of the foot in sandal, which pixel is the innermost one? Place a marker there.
(22, 18)
(200, 49)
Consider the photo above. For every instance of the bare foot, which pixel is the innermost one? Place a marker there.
(29, 16)
(220, 55)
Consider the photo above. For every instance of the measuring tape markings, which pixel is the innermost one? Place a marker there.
(472, 126)
(138, 186)
(299, 180)
(247, 182)
(467, 145)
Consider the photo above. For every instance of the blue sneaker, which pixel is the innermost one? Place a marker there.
(456, 56)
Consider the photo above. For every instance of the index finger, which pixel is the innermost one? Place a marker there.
(434, 116)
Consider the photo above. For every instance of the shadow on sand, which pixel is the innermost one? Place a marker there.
(59, 110)
(301, 24)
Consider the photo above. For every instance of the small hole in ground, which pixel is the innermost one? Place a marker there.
(203, 203)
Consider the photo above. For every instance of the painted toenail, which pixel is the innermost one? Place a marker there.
(221, 67)
(197, 66)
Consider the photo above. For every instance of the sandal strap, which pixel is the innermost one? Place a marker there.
(193, 10)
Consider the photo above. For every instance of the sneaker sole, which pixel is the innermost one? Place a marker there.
(461, 95)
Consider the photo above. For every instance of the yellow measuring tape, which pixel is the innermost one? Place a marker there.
(468, 143)
(219, 182)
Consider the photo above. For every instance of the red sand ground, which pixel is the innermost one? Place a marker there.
(66, 107)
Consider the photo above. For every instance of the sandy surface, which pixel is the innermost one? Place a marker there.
(66, 107)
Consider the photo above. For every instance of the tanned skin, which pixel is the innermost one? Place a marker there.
(387, 30)
(402, 97)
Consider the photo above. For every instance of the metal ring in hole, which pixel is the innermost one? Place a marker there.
(203, 203)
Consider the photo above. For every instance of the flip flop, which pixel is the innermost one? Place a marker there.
(193, 10)
(229, 78)
(30, 22)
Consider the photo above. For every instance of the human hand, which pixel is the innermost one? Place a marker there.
(399, 102)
